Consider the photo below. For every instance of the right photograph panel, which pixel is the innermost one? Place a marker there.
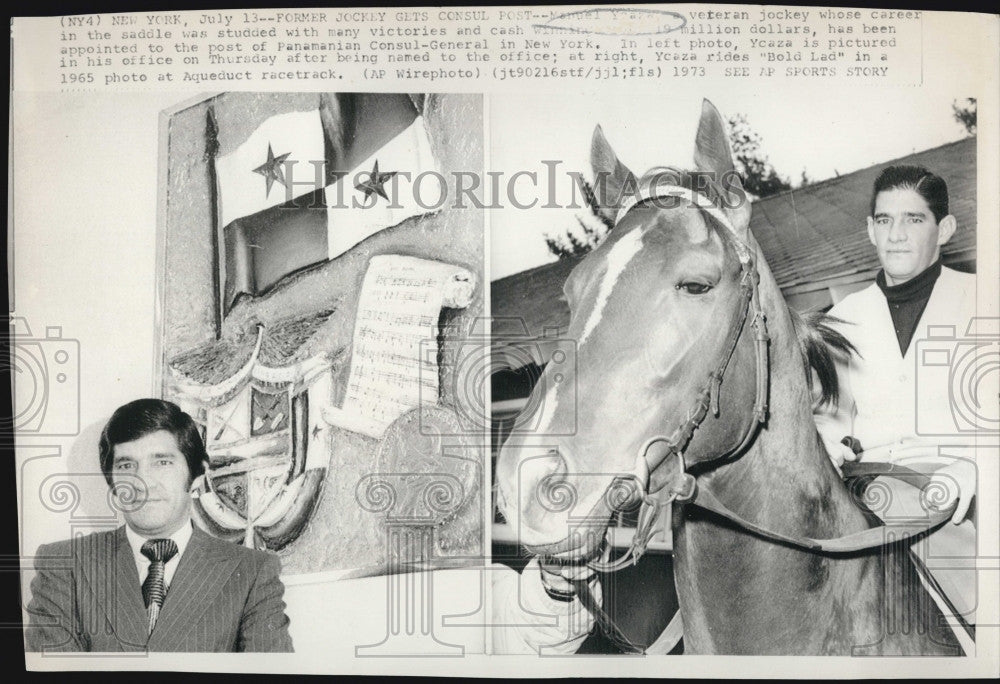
(737, 373)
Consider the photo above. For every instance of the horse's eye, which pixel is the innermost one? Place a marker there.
(694, 288)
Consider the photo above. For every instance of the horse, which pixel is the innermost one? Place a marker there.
(692, 374)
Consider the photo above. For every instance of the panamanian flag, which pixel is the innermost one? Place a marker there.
(304, 187)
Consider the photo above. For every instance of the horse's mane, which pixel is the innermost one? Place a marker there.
(821, 347)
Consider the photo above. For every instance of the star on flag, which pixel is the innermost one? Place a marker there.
(375, 184)
(271, 170)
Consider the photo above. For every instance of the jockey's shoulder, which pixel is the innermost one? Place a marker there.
(958, 275)
(952, 278)
(856, 303)
(869, 300)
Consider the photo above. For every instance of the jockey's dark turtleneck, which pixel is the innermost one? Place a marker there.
(908, 300)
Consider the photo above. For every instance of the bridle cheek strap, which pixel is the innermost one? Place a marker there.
(749, 306)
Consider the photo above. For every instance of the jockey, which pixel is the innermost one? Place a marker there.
(893, 406)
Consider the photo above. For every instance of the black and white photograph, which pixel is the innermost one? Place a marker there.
(548, 341)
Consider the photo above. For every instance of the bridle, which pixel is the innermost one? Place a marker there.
(664, 485)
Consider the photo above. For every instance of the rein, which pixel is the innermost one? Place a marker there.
(668, 480)
(851, 543)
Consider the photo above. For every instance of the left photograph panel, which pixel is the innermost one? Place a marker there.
(306, 471)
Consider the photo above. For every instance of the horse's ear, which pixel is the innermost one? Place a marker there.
(613, 182)
(713, 155)
(711, 144)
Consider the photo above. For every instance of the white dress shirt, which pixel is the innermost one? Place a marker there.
(181, 537)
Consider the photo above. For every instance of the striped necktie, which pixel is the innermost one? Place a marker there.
(154, 589)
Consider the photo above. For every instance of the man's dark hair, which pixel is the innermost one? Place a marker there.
(141, 417)
(928, 185)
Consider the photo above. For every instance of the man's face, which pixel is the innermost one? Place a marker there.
(156, 469)
(906, 234)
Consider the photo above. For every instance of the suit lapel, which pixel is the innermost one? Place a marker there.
(199, 578)
(123, 606)
(943, 307)
(882, 332)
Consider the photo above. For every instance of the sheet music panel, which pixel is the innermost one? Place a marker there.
(393, 366)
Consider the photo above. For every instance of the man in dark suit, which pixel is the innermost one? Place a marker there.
(158, 583)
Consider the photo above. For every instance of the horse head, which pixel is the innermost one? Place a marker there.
(658, 311)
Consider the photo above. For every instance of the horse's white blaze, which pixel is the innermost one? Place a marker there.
(548, 409)
(617, 260)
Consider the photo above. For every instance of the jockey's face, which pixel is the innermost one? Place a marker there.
(906, 234)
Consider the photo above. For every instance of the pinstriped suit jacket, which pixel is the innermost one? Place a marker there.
(86, 596)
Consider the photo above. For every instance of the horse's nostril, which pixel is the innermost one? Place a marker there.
(538, 472)
(559, 460)
(545, 482)
(558, 468)
(538, 465)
